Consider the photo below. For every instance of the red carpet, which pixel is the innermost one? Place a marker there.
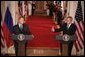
(40, 26)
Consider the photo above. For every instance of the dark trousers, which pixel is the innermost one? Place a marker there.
(16, 47)
(70, 45)
(51, 12)
(33, 10)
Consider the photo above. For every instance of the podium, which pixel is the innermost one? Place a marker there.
(21, 40)
(64, 43)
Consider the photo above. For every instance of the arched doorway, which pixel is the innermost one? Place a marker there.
(40, 8)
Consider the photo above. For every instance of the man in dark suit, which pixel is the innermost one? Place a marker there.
(20, 28)
(67, 28)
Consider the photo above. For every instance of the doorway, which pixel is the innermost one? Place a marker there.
(40, 8)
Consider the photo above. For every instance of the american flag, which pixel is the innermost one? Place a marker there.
(3, 41)
(79, 44)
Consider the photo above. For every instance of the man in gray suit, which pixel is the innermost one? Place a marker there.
(20, 28)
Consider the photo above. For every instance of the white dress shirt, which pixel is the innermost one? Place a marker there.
(68, 25)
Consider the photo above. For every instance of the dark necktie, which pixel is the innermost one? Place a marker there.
(21, 27)
(68, 26)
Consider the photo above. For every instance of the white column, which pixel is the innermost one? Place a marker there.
(62, 5)
(23, 9)
(30, 8)
(44, 5)
(82, 3)
(16, 12)
(13, 11)
(68, 8)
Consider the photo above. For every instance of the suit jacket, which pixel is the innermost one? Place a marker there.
(25, 30)
(69, 31)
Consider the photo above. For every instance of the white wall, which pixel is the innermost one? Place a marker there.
(72, 6)
(3, 9)
(82, 3)
(12, 8)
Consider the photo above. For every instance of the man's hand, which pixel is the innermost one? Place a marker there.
(53, 30)
(58, 26)
(32, 36)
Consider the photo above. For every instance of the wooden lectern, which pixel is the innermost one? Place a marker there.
(64, 42)
(21, 40)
